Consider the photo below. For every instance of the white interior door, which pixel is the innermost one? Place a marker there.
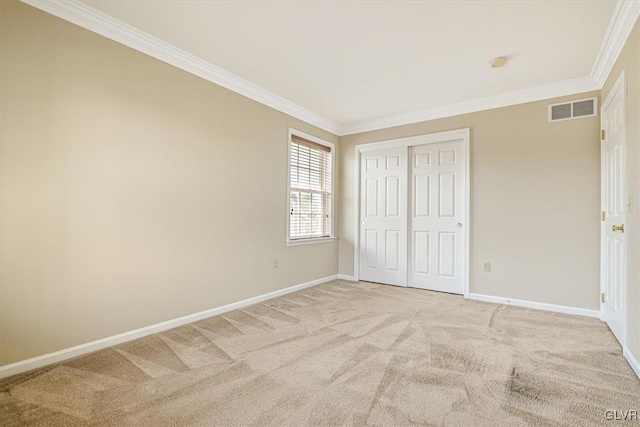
(383, 216)
(437, 211)
(614, 212)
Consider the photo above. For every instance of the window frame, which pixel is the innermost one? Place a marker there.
(332, 147)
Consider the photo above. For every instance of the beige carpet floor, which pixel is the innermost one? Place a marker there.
(342, 353)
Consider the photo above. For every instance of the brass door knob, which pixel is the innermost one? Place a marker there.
(619, 228)
(459, 225)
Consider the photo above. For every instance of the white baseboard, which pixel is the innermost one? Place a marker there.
(347, 277)
(536, 305)
(79, 350)
(635, 365)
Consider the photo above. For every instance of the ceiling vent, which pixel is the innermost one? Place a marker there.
(573, 110)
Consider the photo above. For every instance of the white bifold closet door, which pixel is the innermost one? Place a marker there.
(383, 217)
(437, 214)
(412, 212)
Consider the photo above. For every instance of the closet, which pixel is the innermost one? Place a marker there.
(413, 217)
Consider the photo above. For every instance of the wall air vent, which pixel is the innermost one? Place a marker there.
(573, 110)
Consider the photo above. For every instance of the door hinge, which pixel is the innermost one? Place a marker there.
(602, 297)
(602, 134)
(603, 215)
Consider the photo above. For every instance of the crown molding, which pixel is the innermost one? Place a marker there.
(625, 14)
(624, 17)
(92, 19)
(520, 96)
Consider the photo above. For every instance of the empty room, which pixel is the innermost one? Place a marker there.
(319, 213)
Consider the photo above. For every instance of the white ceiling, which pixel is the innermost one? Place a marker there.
(354, 61)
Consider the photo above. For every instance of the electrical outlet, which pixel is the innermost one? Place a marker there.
(486, 266)
(275, 263)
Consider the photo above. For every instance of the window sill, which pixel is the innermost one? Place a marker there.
(310, 241)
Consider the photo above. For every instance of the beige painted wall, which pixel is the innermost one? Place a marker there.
(132, 192)
(535, 201)
(629, 61)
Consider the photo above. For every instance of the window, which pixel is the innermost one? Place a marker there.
(310, 189)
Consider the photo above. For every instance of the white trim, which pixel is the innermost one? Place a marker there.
(433, 138)
(467, 255)
(619, 84)
(301, 242)
(521, 96)
(536, 305)
(92, 19)
(624, 17)
(356, 216)
(79, 350)
(347, 277)
(312, 138)
(594, 101)
(298, 242)
(633, 362)
(622, 22)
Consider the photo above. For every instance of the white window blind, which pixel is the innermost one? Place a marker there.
(310, 189)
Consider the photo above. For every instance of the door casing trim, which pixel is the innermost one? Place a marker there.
(463, 134)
